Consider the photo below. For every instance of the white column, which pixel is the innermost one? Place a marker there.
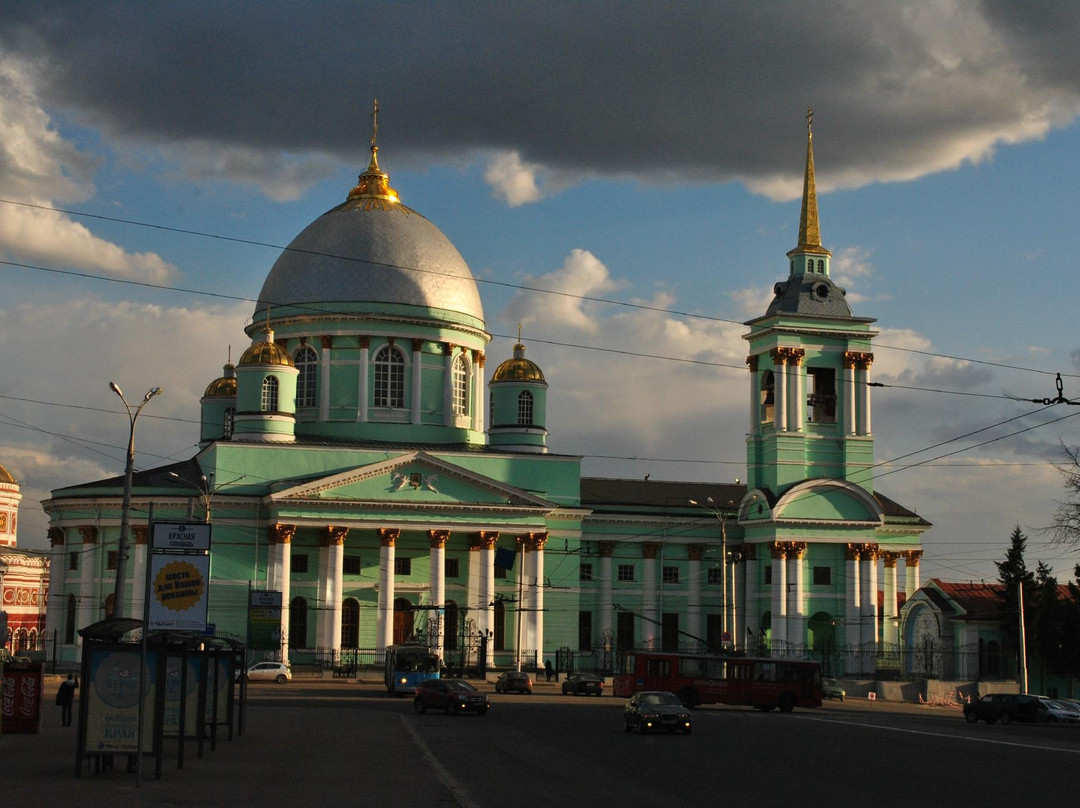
(448, 385)
(780, 391)
(362, 391)
(755, 396)
(438, 539)
(538, 599)
(693, 592)
(322, 599)
(56, 610)
(477, 397)
(324, 380)
(852, 599)
(474, 598)
(387, 554)
(779, 599)
(849, 396)
(607, 608)
(796, 633)
(649, 628)
(868, 589)
(88, 560)
(336, 590)
(795, 388)
(751, 605)
(912, 580)
(417, 380)
(890, 626)
(281, 552)
(487, 565)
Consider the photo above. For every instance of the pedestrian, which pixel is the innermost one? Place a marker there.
(65, 697)
(548, 669)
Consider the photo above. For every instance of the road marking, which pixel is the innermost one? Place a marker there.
(995, 741)
(461, 794)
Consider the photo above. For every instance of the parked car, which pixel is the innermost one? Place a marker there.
(656, 710)
(514, 681)
(583, 684)
(831, 689)
(1059, 710)
(278, 672)
(1005, 707)
(450, 695)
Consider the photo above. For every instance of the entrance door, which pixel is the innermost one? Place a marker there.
(403, 620)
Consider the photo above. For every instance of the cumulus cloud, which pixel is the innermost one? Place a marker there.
(581, 277)
(901, 89)
(38, 167)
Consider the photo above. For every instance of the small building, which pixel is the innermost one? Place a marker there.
(24, 577)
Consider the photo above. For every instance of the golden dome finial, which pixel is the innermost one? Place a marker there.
(374, 183)
(809, 229)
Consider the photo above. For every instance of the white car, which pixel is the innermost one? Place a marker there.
(266, 672)
(1060, 711)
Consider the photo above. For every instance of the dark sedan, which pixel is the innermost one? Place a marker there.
(656, 711)
(451, 696)
(1005, 707)
(583, 684)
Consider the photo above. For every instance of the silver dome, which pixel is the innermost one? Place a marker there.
(370, 251)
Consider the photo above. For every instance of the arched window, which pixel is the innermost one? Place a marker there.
(69, 621)
(298, 623)
(767, 396)
(307, 362)
(525, 408)
(821, 265)
(350, 623)
(389, 378)
(270, 394)
(461, 386)
(230, 421)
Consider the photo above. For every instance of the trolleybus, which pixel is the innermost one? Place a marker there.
(408, 665)
(764, 683)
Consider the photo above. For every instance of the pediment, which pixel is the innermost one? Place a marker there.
(828, 501)
(414, 478)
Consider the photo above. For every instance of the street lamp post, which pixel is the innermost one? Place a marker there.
(206, 488)
(125, 508)
(715, 511)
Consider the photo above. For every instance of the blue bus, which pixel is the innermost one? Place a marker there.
(408, 665)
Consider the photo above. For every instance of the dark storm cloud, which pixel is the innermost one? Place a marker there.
(684, 91)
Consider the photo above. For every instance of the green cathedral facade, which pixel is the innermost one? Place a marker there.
(356, 461)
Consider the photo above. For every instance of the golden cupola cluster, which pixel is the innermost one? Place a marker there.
(518, 369)
(266, 352)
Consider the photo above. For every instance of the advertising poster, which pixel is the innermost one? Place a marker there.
(112, 690)
(264, 621)
(173, 686)
(179, 592)
(21, 691)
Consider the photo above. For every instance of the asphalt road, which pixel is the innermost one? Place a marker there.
(330, 743)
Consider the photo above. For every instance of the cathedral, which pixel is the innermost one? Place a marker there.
(358, 461)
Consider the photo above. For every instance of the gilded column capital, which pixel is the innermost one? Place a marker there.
(650, 549)
(89, 534)
(326, 343)
(889, 558)
(281, 533)
(56, 536)
(388, 536)
(694, 551)
(778, 549)
(438, 538)
(911, 557)
(483, 540)
(480, 358)
(858, 359)
(852, 552)
(333, 535)
(752, 362)
(749, 552)
(448, 349)
(417, 345)
(365, 343)
(607, 549)
(142, 533)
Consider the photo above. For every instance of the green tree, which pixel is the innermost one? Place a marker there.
(1048, 622)
(1012, 574)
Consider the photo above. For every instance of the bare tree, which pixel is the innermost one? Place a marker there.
(1065, 528)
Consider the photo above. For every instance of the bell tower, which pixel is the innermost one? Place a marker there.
(809, 362)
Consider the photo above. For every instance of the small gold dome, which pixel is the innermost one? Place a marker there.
(518, 369)
(266, 352)
(5, 476)
(224, 387)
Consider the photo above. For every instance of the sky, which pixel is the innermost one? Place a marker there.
(623, 179)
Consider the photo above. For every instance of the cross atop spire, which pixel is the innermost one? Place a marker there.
(809, 228)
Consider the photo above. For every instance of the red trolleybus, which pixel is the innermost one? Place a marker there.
(763, 683)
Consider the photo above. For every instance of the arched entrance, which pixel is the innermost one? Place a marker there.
(298, 623)
(350, 623)
(403, 620)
